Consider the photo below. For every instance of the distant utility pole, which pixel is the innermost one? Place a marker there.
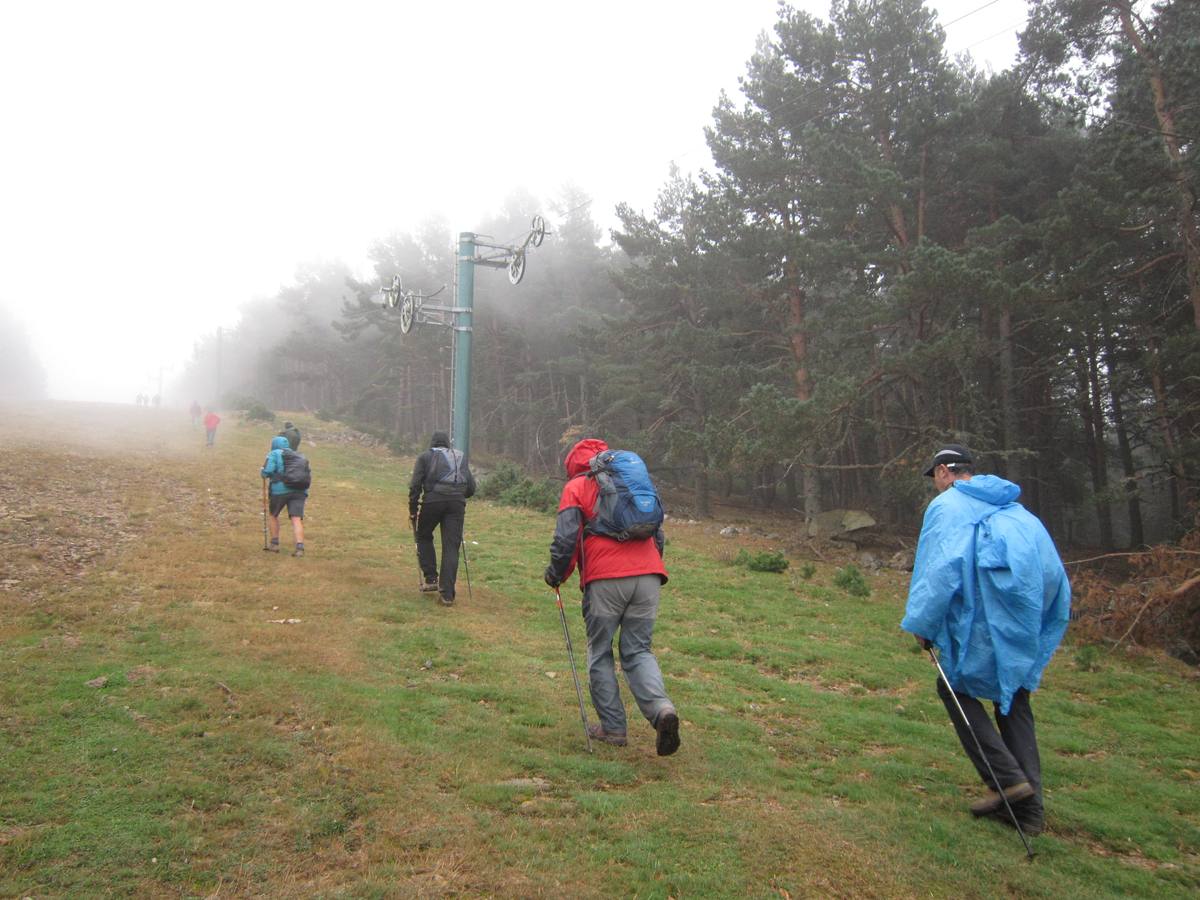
(217, 400)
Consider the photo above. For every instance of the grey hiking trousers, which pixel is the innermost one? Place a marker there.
(631, 605)
(1010, 746)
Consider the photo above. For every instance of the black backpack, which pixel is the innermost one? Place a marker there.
(447, 470)
(297, 475)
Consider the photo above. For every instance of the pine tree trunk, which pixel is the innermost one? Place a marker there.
(1180, 173)
(1166, 429)
(1128, 469)
(1012, 437)
(703, 495)
(1093, 438)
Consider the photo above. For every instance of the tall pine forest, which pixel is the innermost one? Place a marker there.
(892, 250)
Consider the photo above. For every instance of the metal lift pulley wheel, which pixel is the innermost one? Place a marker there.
(407, 313)
(516, 268)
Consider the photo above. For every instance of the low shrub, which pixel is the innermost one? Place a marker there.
(256, 411)
(762, 561)
(503, 477)
(507, 484)
(852, 581)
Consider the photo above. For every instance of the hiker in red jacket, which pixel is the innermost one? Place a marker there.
(211, 421)
(620, 582)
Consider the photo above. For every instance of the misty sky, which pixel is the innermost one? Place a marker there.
(165, 162)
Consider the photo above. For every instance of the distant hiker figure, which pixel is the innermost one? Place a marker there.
(437, 496)
(621, 571)
(989, 591)
(195, 411)
(211, 421)
(292, 433)
(291, 478)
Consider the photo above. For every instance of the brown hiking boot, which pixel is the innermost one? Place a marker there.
(597, 733)
(667, 728)
(992, 800)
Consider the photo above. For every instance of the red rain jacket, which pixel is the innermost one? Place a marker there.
(603, 557)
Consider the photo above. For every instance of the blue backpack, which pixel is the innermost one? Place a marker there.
(628, 507)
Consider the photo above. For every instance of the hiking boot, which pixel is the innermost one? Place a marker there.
(1030, 826)
(446, 601)
(992, 800)
(274, 548)
(428, 587)
(667, 728)
(597, 733)
(299, 551)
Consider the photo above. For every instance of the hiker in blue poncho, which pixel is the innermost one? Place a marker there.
(990, 593)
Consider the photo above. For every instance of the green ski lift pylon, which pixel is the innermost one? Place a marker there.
(414, 310)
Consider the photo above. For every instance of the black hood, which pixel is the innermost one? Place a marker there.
(439, 439)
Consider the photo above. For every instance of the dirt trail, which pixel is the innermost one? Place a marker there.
(78, 482)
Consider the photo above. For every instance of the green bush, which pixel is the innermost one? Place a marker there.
(326, 415)
(807, 571)
(503, 477)
(762, 561)
(507, 484)
(1087, 658)
(541, 495)
(852, 581)
(256, 411)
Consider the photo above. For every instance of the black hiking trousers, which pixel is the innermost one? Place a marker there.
(448, 511)
(1010, 745)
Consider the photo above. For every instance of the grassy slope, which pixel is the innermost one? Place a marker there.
(387, 746)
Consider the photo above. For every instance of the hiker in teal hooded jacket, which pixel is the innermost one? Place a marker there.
(282, 495)
(990, 593)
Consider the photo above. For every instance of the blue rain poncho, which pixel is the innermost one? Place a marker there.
(988, 589)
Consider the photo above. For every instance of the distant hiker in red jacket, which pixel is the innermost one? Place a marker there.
(620, 582)
(211, 421)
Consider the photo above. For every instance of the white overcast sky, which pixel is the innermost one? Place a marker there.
(164, 162)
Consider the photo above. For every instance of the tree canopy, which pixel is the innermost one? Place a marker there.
(892, 250)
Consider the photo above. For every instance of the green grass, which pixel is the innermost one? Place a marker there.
(385, 746)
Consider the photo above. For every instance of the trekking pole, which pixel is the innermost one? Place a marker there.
(416, 549)
(265, 544)
(982, 755)
(467, 567)
(575, 675)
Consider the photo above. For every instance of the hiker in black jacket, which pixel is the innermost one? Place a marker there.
(292, 433)
(437, 495)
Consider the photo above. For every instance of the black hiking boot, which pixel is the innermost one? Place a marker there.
(667, 728)
(428, 587)
(1032, 826)
(446, 601)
